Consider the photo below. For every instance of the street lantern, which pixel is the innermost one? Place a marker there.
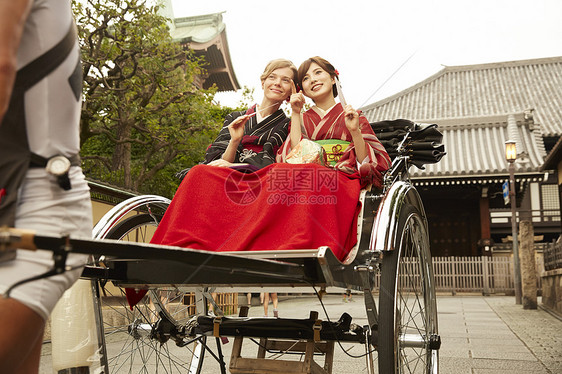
(511, 156)
(510, 151)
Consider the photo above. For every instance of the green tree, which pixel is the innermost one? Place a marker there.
(143, 118)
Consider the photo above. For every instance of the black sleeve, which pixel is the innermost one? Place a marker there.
(216, 150)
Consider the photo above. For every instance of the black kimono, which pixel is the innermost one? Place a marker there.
(260, 142)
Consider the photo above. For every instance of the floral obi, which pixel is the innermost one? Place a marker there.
(307, 152)
(334, 149)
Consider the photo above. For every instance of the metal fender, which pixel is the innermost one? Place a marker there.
(385, 234)
(122, 209)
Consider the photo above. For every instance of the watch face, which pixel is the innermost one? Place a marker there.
(58, 165)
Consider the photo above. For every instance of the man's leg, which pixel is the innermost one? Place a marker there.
(31, 365)
(275, 302)
(265, 303)
(211, 306)
(21, 337)
(43, 206)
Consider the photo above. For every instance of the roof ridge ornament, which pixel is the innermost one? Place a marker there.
(529, 115)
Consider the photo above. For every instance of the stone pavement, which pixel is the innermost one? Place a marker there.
(480, 335)
(493, 335)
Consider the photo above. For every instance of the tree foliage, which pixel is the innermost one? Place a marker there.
(143, 118)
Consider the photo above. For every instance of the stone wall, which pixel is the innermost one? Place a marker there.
(552, 290)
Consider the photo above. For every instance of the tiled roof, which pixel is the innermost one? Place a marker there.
(554, 157)
(482, 90)
(476, 147)
(200, 29)
(206, 35)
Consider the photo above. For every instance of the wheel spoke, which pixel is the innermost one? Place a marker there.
(407, 307)
(131, 342)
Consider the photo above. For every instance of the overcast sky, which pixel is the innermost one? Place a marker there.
(368, 40)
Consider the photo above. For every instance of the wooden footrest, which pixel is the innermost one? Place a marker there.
(263, 365)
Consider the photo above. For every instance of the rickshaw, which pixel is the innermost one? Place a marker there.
(170, 329)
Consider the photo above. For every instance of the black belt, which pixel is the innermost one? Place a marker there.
(41, 162)
(63, 180)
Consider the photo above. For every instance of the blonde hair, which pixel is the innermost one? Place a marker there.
(279, 64)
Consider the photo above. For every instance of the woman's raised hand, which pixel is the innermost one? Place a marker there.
(297, 98)
(236, 127)
(297, 103)
(351, 118)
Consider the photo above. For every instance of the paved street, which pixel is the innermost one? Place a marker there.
(480, 335)
(493, 335)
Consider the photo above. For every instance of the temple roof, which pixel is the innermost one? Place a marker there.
(475, 148)
(206, 35)
(482, 90)
(554, 157)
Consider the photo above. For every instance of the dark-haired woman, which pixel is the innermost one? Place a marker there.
(359, 152)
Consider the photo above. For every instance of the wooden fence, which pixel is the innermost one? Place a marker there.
(484, 274)
(478, 274)
(228, 302)
(473, 274)
(466, 274)
(553, 256)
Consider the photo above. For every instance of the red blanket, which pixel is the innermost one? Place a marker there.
(281, 206)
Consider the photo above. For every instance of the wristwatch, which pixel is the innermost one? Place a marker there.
(59, 167)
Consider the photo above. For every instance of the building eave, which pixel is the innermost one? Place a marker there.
(475, 146)
(206, 36)
(554, 157)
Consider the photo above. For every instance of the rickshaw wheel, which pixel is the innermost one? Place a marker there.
(129, 339)
(408, 338)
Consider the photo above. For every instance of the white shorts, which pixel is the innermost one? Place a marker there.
(48, 209)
